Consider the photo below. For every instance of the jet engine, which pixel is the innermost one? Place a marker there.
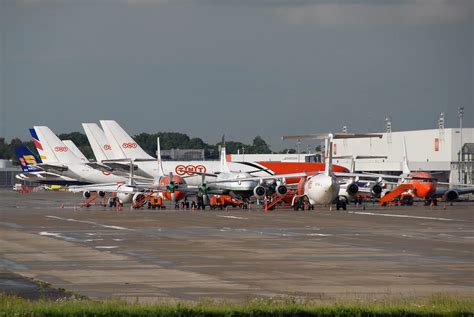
(86, 194)
(259, 191)
(451, 195)
(101, 194)
(281, 190)
(352, 189)
(376, 190)
(138, 198)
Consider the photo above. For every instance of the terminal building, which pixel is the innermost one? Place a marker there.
(434, 150)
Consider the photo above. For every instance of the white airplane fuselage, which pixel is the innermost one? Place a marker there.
(322, 189)
(232, 185)
(87, 174)
(186, 168)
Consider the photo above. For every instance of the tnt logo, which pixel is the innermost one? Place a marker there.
(61, 149)
(189, 169)
(129, 145)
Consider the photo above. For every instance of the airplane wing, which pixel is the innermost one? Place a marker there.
(108, 187)
(100, 167)
(44, 176)
(456, 184)
(440, 192)
(50, 167)
(307, 174)
(125, 167)
(264, 178)
(373, 175)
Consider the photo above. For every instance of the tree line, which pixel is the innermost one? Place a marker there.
(168, 140)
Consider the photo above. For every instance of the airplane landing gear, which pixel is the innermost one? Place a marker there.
(341, 203)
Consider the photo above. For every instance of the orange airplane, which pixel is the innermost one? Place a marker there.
(422, 185)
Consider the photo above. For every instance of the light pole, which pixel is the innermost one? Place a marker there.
(298, 149)
(460, 114)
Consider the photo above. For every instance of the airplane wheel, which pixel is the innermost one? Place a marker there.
(344, 206)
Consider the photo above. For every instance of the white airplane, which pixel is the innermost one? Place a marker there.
(319, 188)
(58, 158)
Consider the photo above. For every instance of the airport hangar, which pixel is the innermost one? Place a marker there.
(434, 150)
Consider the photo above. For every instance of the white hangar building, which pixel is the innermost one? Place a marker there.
(435, 150)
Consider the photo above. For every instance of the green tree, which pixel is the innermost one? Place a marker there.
(260, 146)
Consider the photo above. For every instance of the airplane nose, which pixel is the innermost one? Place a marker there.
(425, 191)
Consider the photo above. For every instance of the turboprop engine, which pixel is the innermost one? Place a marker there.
(259, 191)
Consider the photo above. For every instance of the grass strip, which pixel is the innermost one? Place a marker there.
(437, 305)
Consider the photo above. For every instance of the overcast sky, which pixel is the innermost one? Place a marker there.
(239, 67)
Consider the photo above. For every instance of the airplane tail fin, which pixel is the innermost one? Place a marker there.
(123, 146)
(75, 150)
(51, 148)
(328, 163)
(41, 150)
(224, 166)
(405, 168)
(161, 172)
(27, 159)
(100, 146)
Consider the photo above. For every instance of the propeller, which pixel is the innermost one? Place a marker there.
(172, 187)
(204, 189)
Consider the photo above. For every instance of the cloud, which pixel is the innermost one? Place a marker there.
(367, 13)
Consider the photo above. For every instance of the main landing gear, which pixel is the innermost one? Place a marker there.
(341, 203)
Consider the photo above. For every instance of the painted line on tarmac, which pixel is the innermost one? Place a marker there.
(60, 236)
(401, 216)
(233, 217)
(319, 235)
(89, 222)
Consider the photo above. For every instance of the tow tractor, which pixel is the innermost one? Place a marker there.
(223, 201)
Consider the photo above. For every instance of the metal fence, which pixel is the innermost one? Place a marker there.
(7, 178)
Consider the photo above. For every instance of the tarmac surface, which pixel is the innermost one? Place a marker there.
(150, 255)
